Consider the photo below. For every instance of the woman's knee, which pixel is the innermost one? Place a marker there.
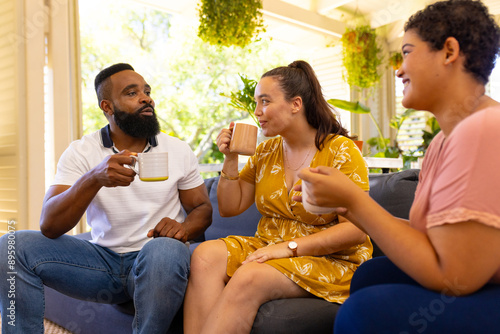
(209, 254)
(251, 278)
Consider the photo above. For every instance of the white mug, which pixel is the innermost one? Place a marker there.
(317, 210)
(153, 166)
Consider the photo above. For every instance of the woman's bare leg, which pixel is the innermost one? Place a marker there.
(207, 280)
(252, 285)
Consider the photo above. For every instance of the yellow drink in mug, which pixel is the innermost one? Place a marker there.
(152, 166)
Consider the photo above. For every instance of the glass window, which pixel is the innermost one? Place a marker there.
(189, 78)
(409, 136)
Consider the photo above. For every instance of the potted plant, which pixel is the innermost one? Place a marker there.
(395, 60)
(244, 98)
(230, 22)
(361, 56)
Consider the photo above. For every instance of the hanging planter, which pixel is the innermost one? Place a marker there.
(230, 22)
(396, 60)
(361, 56)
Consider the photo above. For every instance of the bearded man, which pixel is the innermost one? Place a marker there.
(139, 229)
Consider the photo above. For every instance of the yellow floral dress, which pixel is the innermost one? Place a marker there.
(283, 219)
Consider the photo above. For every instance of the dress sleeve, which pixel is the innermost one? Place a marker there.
(467, 182)
(263, 152)
(248, 172)
(349, 161)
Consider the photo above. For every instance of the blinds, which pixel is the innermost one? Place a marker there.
(410, 133)
(9, 130)
(328, 68)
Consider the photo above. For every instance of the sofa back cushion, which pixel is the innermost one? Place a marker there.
(243, 224)
(395, 191)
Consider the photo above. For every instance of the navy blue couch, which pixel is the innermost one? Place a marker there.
(393, 191)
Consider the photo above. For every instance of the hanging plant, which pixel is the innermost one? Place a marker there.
(395, 60)
(230, 22)
(361, 56)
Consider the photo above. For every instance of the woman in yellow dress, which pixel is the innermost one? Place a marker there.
(294, 253)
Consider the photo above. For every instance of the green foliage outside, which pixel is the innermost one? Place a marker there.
(190, 79)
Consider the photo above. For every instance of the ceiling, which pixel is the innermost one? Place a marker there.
(310, 23)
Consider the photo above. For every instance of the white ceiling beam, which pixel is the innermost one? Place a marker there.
(395, 11)
(394, 35)
(324, 6)
(304, 18)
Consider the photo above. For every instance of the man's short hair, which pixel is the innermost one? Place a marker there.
(105, 74)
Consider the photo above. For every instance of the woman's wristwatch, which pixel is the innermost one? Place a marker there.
(292, 245)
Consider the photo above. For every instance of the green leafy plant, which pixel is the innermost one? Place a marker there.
(244, 98)
(395, 60)
(380, 143)
(358, 108)
(398, 120)
(428, 136)
(361, 56)
(230, 22)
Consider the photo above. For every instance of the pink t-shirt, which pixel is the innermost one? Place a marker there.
(460, 176)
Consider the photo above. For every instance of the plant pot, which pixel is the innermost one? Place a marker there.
(359, 143)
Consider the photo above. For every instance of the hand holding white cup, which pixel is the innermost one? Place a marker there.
(317, 210)
(152, 166)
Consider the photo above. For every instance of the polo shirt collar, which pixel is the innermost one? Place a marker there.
(108, 143)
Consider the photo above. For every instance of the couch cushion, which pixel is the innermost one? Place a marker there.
(395, 191)
(243, 224)
(295, 315)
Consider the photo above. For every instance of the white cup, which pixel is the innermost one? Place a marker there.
(317, 210)
(151, 166)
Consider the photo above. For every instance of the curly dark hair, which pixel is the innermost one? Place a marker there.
(299, 79)
(470, 23)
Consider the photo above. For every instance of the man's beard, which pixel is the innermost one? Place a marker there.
(136, 125)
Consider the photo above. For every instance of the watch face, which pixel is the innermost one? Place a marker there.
(292, 245)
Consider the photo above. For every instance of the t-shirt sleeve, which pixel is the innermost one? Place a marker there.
(468, 184)
(71, 165)
(192, 177)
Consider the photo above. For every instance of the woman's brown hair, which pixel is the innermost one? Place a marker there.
(299, 79)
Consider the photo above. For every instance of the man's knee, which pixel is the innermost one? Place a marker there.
(20, 237)
(163, 251)
(15, 241)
